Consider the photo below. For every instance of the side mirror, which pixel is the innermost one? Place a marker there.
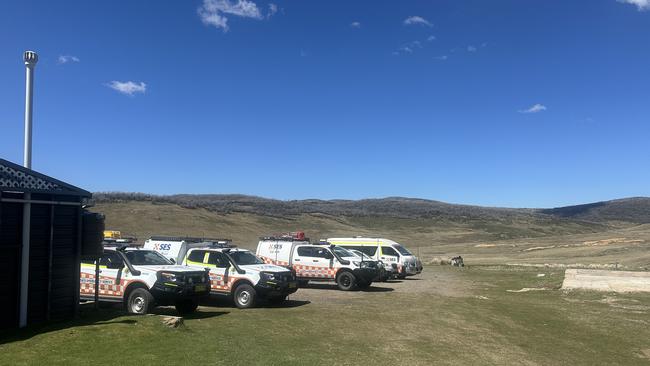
(328, 255)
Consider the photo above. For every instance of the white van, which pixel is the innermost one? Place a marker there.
(385, 250)
(312, 262)
(234, 272)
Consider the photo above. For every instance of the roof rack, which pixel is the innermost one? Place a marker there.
(120, 245)
(292, 236)
(188, 239)
(219, 244)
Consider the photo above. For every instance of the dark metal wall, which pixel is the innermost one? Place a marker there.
(53, 264)
(11, 226)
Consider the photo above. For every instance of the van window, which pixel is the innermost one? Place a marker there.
(196, 256)
(369, 251)
(402, 250)
(218, 259)
(389, 251)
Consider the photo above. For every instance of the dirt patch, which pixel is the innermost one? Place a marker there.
(612, 241)
(528, 289)
(446, 283)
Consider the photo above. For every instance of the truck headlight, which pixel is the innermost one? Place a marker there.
(167, 276)
(268, 276)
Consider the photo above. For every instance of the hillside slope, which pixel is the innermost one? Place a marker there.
(482, 235)
(636, 210)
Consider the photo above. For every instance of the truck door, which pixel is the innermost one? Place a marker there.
(111, 284)
(313, 262)
(221, 272)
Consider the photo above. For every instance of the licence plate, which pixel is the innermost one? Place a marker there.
(292, 285)
(199, 288)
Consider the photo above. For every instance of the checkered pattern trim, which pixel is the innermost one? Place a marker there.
(107, 285)
(218, 283)
(314, 271)
(277, 263)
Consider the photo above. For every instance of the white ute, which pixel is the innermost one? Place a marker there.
(142, 279)
(313, 262)
(234, 272)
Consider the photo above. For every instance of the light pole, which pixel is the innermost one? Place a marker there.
(30, 58)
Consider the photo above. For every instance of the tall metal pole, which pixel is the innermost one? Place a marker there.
(30, 59)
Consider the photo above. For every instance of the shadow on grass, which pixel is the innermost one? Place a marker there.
(106, 314)
(328, 286)
(226, 302)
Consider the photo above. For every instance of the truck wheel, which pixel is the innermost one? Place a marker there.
(187, 306)
(139, 302)
(244, 296)
(346, 281)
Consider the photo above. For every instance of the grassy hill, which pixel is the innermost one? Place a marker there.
(605, 234)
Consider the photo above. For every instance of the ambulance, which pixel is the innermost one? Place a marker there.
(317, 262)
(142, 279)
(236, 273)
(384, 250)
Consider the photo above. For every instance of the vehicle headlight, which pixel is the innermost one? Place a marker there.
(268, 276)
(167, 276)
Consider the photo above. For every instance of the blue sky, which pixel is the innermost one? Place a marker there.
(502, 103)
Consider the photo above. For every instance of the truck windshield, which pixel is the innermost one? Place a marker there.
(243, 258)
(146, 258)
(402, 250)
(342, 252)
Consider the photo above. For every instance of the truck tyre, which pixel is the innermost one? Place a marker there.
(346, 281)
(244, 296)
(139, 302)
(187, 306)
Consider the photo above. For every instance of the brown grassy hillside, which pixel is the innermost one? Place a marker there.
(522, 238)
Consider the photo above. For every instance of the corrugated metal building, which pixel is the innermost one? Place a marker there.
(55, 245)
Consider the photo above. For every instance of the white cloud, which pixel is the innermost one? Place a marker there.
(128, 87)
(355, 25)
(431, 38)
(471, 48)
(64, 59)
(641, 5)
(534, 109)
(214, 12)
(441, 58)
(303, 53)
(273, 9)
(417, 20)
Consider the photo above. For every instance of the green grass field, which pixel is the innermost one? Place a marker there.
(444, 316)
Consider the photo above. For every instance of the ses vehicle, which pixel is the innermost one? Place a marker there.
(384, 250)
(142, 279)
(313, 262)
(234, 272)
